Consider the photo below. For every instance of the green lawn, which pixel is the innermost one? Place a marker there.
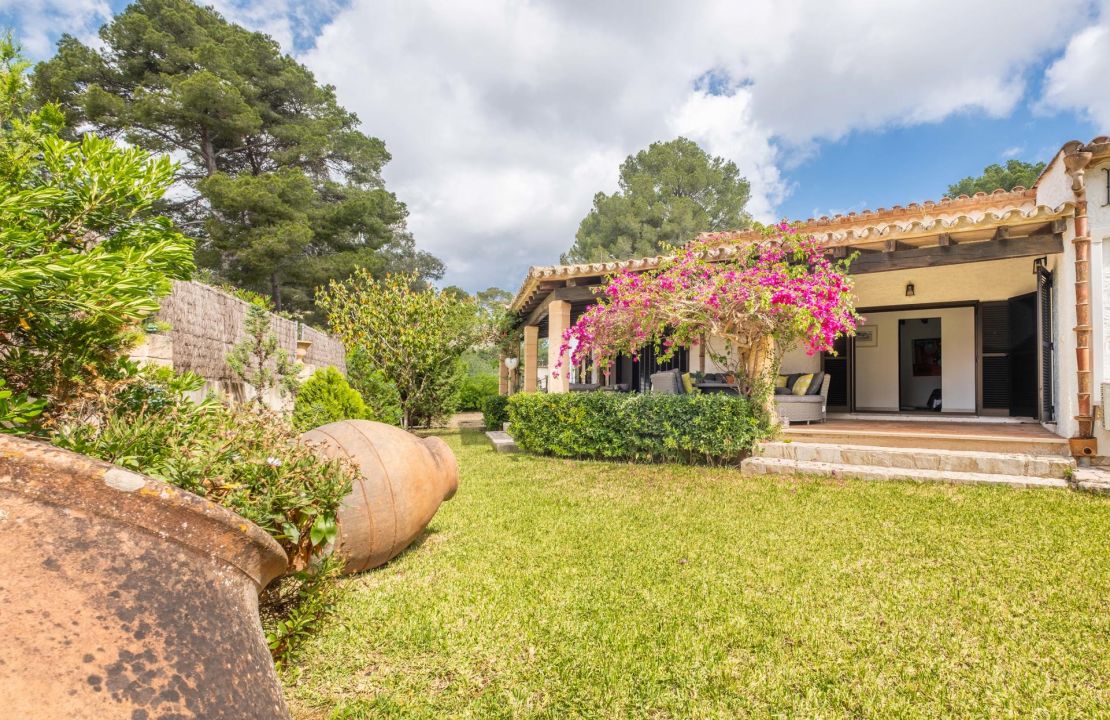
(557, 589)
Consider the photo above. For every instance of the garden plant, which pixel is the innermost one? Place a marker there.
(747, 304)
(85, 258)
(414, 336)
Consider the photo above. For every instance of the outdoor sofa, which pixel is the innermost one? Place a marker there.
(807, 403)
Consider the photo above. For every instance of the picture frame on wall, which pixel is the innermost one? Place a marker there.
(926, 357)
(867, 336)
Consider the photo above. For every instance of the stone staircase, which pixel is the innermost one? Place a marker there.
(1000, 466)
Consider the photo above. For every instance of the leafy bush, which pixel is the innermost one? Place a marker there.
(495, 411)
(84, 258)
(702, 428)
(326, 397)
(259, 361)
(416, 337)
(475, 389)
(382, 399)
(293, 607)
(16, 412)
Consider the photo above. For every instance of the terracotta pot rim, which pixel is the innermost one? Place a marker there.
(49, 474)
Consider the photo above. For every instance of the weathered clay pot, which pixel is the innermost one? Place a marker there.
(124, 597)
(404, 480)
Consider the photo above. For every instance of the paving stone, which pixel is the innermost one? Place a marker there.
(757, 465)
(502, 441)
(938, 460)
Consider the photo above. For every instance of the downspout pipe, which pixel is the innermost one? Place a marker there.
(1076, 160)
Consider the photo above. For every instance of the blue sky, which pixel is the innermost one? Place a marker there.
(900, 165)
(504, 117)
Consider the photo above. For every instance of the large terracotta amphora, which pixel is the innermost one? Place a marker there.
(123, 597)
(404, 480)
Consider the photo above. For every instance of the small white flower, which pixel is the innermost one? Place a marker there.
(273, 462)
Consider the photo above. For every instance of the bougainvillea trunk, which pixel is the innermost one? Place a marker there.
(760, 367)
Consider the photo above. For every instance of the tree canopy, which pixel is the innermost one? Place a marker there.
(1014, 173)
(668, 194)
(278, 185)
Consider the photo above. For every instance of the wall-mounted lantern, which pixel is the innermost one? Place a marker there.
(511, 364)
(909, 289)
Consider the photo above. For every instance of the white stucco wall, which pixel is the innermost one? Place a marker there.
(1054, 188)
(984, 281)
(877, 367)
(1067, 385)
(1098, 213)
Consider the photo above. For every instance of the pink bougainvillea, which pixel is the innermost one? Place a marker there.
(749, 303)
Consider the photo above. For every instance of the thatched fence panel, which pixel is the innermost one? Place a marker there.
(206, 323)
(324, 350)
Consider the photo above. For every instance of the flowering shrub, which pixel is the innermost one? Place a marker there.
(749, 307)
(702, 428)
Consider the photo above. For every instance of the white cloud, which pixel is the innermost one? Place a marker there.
(39, 22)
(1078, 79)
(723, 124)
(504, 117)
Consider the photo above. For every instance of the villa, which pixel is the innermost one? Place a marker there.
(985, 317)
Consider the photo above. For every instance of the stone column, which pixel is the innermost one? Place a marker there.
(530, 364)
(558, 321)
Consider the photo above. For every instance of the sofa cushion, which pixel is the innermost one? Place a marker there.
(780, 381)
(815, 384)
(801, 385)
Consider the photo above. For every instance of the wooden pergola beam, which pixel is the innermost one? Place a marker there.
(938, 256)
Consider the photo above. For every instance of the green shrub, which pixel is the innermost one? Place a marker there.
(702, 428)
(495, 411)
(85, 256)
(293, 607)
(326, 397)
(380, 395)
(475, 389)
(16, 412)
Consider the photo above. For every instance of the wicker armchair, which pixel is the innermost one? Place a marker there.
(804, 408)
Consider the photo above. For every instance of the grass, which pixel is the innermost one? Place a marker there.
(562, 589)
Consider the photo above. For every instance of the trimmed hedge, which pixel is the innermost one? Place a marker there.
(701, 428)
(495, 411)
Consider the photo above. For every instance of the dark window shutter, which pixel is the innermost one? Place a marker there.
(996, 327)
(995, 323)
(996, 382)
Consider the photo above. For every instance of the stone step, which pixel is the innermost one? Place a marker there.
(757, 465)
(960, 461)
(502, 441)
(951, 440)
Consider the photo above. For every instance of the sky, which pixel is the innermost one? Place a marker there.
(504, 118)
